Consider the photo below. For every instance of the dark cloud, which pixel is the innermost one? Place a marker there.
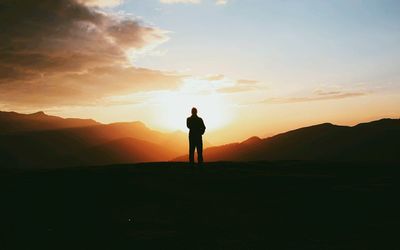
(122, 32)
(62, 47)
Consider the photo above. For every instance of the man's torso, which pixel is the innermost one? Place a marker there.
(196, 126)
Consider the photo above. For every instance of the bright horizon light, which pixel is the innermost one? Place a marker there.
(173, 107)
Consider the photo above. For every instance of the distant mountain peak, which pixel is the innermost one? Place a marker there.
(325, 124)
(252, 140)
(380, 122)
(39, 113)
(137, 124)
(12, 122)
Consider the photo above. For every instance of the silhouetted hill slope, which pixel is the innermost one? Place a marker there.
(377, 140)
(38, 140)
(47, 146)
(12, 122)
(65, 147)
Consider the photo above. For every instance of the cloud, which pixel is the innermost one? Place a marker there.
(131, 34)
(214, 77)
(245, 81)
(325, 93)
(98, 84)
(222, 84)
(319, 97)
(241, 85)
(235, 89)
(101, 3)
(57, 36)
(221, 2)
(217, 2)
(179, 1)
(56, 50)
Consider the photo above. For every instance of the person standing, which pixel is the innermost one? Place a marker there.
(196, 130)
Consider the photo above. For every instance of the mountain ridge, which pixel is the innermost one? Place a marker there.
(39, 140)
(13, 122)
(375, 140)
(51, 141)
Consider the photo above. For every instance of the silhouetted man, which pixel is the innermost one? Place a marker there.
(196, 129)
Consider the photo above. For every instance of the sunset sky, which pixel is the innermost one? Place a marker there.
(251, 67)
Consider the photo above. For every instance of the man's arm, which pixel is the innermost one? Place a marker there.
(203, 127)
(188, 123)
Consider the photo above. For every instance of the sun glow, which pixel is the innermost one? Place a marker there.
(174, 107)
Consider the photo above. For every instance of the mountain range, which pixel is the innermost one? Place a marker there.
(39, 140)
(373, 141)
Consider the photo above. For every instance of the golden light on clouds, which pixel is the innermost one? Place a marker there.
(79, 57)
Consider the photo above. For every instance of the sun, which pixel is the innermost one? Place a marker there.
(175, 107)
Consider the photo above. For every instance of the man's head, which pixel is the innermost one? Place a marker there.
(194, 111)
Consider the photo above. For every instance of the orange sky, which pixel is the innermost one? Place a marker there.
(257, 69)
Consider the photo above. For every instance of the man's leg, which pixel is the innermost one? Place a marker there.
(200, 150)
(191, 150)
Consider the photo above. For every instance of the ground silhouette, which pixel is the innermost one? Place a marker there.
(254, 205)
